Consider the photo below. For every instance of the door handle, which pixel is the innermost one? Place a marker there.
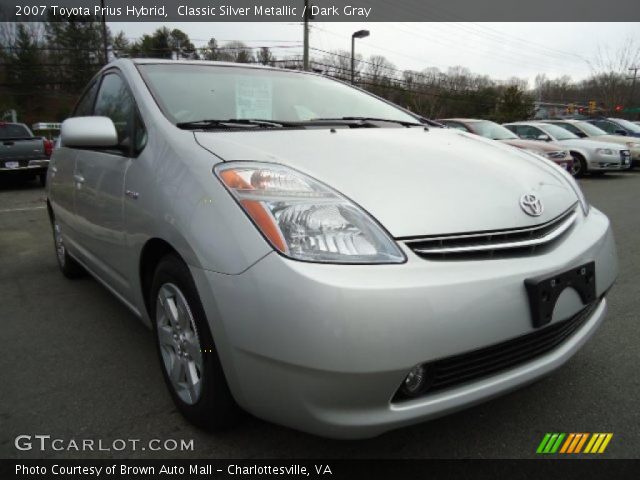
(54, 169)
(78, 178)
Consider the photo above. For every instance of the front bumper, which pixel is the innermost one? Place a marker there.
(610, 163)
(324, 348)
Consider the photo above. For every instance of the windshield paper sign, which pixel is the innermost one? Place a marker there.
(254, 98)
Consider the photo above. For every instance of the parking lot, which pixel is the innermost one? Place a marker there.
(75, 364)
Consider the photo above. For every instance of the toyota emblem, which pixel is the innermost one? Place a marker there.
(531, 205)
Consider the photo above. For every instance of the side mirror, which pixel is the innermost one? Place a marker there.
(621, 132)
(544, 138)
(88, 132)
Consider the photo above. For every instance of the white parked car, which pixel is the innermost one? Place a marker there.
(589, 131)
(318, 256)
(588, 155)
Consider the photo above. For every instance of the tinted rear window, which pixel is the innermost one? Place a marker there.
(11, 130)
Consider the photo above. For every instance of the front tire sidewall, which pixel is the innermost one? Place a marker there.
(68, 266)
(215, 408)
(581, 164)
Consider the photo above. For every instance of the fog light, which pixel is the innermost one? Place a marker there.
(415, 381)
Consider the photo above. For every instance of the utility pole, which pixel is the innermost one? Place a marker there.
(105, 40)
(305, 48)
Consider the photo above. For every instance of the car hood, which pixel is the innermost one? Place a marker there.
(617, 139)
(585, 143)
(414, 181)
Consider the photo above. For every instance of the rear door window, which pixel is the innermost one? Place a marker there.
(12, 130)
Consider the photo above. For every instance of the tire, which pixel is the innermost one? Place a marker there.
(42, 180)
(68, 266)
(579, 165)
(190, 364)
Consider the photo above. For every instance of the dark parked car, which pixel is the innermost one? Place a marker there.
(22, 154)
(617, 126)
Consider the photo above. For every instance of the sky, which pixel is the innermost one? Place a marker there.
(500, 50)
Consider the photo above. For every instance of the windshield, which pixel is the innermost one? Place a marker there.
(190, 92)
(628, 125)
(591, 130)
(12, 130)
(558, 133)
(493, 131)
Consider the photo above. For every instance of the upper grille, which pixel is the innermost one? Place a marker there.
(494, 244)
(466, 367)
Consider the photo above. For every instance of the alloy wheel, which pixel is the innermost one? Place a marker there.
(576, 168)
(179, 343)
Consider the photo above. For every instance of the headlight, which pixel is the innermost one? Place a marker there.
(538, 153)
(605, 151)
(304, 219)
(556, 155)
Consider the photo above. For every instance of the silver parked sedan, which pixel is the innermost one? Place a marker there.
(588, 155)
(317, 256)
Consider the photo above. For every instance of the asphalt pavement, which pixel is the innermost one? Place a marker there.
(75, 364)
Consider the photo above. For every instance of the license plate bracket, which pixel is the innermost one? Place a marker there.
(543, 292)
(12, 164)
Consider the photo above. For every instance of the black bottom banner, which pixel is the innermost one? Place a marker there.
(330, 469)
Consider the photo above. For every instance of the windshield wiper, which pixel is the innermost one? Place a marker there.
(404, 123)
(229, 123)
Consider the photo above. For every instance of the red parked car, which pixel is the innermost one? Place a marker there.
(495, 131)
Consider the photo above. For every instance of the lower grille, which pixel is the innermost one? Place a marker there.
(467, 367)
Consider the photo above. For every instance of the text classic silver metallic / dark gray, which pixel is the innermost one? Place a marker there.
(317, 256)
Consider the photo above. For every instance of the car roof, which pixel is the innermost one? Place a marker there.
(146, 61)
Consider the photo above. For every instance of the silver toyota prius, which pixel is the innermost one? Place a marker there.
(317, 256)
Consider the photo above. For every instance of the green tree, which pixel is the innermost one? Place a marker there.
(76, 50)
(164, 43)
(120, 45)
(514, 104)
(265, 57)
(25, 71)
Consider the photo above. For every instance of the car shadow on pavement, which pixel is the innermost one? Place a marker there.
(15, 183)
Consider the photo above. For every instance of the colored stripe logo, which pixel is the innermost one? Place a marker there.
(574, 443)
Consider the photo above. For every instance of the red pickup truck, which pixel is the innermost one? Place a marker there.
(22, 154)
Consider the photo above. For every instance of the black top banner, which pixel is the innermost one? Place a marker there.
(324, 10)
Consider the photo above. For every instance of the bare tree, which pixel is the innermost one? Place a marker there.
(338, 64)
(610, 70)
(379, 70)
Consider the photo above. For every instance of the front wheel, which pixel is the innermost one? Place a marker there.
(189, 359)
(579, 165)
